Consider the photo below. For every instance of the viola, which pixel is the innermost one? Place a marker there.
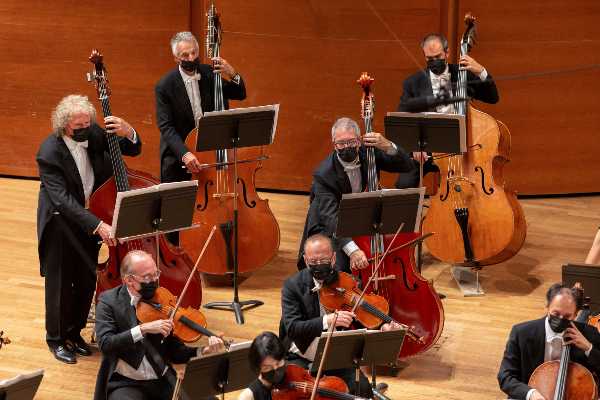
(372, 311)
(412, 299)
(472, 206)
(175, 265)
(299, 384)
(189, 324)
(258, 231)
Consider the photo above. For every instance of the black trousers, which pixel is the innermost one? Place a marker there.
(122, 388)
(347, 374)
(172, 170)
(68, 262)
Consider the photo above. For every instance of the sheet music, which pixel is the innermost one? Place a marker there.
(21, 377)
(240, 346)
(352, 332)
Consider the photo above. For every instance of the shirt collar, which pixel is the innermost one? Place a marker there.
(318, 285)
(349, 166)
(550, 334)
(444, 75)
(187, 78)
(134, 299)
(72, 144)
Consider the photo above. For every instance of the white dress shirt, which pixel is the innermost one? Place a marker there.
(193, 92)
(553, 348)
(444, 81)
(79, 152)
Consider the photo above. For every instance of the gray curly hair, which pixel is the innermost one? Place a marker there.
(67, 108)
(182, 37)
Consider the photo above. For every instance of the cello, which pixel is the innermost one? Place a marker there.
(258, 234)
(412, 299)
(472, 206)
(174, 264)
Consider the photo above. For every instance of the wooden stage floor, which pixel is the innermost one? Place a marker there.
(463, 364)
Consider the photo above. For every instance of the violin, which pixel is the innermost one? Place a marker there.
(299, 384)
(372, 311)
(189, 324)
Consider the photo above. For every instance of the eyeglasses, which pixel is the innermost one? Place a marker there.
(323, 261)
(148, 277)
(341, 144)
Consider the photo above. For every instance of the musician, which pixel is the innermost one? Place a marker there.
(533, 342)
(593, 256)
(267, 358)
(73, 161)
(303, 319)
(345, 171)
(439, 79)
(135, 357)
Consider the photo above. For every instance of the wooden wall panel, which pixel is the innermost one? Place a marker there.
(307, 56)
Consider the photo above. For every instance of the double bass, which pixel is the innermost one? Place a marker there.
(174, 264)
(258, 233)
(472, 207)
(412, 299)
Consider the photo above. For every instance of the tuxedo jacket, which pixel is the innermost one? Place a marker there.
(61, 190)
(115, 316)
(525, 352)
(330, 182)
(174, 114)
(419, 85)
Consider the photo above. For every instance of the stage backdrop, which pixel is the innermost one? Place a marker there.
(307, 55)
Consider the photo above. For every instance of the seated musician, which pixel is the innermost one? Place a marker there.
(532, 343)
(593, 256)
(345, 171)
(267, 358)
(303, 319)
(135, 356)
(440, 78)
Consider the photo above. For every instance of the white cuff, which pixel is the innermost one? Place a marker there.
(529, 394)
(199, 351)
(325, 324)
(393, 151)
(136, 334)
(134, 138)
(350, 248)
(587, 353)
(98, 227)
(483, 75)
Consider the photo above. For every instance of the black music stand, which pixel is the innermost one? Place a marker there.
(234, 129)
(355, 348)
(21, 387)
(217, 374)
(589, 277)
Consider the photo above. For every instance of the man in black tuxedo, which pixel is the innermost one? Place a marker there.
(73, 161)
(345, 171)
(533, 342)
(135, 357)
(302, 317)
(182, 96)
(437, 80)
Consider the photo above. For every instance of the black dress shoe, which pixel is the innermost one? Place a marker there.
(61, 353)
(381, 387)
(80, 347)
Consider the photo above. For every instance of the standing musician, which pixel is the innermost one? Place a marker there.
(135, 356)
(267, 359)
(73, 161)
(345, 171)
(593, 256)
(182, 96)
(532, 343)
(303, 319)
(439, 80)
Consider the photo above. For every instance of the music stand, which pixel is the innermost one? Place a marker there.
(217, 374)
(234, 129)
(355, 348)
(436, 133)
(589, 277)
(21, 387)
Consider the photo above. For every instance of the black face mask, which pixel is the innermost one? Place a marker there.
(323, 273)
(148, 289)
(558, 324)
(348, 154)
(81, 134)
(275, 376)
(436, 66)
(190, 66)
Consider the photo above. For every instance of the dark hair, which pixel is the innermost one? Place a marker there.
(559, 288)
(435, 36)
(264, 345)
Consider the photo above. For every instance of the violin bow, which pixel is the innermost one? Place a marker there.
(180, 298)
(325, 350)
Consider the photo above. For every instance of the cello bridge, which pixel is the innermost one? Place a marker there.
(223, 195)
